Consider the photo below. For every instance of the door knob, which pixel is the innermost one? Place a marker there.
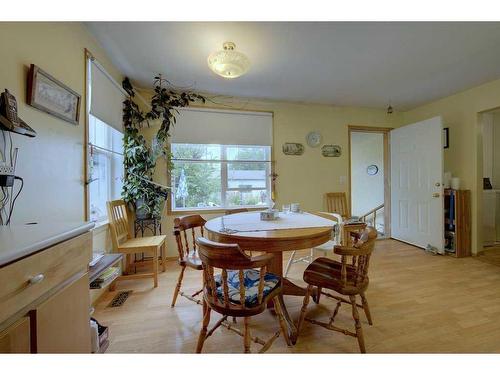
(435, 195)
(438, 184)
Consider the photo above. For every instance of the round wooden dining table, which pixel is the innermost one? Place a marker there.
(274, 241)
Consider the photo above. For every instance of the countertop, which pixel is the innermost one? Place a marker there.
(19, 241)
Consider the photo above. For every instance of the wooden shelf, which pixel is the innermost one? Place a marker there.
(461, 226)
(102, 265)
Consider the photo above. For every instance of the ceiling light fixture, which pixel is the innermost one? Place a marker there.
(228, 63)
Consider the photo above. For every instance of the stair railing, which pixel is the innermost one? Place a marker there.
(371, 216)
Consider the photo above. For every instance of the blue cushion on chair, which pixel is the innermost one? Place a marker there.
(251, 280)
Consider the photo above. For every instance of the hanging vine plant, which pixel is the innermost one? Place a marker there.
(139, 190)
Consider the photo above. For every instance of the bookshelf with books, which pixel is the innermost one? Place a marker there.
(104, 271)
(457, 222)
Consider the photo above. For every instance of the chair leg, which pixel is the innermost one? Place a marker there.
(317, 295)
(164, 256)
(178, 286)
(311, 255)
(247, 339)
(357, 324)
(304, 308)
(203, 333)
(290, 261)
(156, 259)
(366, 308)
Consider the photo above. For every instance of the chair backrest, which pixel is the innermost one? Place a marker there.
(229, 257)
(355, 271)
(118, 222)
(182, 225)
(337, 202)
(235, 211)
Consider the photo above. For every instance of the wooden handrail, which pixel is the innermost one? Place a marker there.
(373, 211)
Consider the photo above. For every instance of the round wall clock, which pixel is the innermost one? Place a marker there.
(313, 139)
(372, 170)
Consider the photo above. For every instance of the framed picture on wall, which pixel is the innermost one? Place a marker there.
(446, 141)
(52, 96)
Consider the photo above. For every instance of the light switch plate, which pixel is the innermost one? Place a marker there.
(342, 180)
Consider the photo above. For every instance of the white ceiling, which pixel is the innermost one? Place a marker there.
(348, 64)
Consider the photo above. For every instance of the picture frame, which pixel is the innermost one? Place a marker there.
(446, 139)
(331, 151)
(50, 95)
(293, 148)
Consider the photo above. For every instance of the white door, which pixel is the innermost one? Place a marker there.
(417, 215)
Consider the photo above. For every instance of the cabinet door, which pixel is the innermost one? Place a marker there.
(16, 338)
(62, 322)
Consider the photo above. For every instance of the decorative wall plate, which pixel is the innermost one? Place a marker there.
(293, 148)
(313, 139)
(372, 170)
(331, 151)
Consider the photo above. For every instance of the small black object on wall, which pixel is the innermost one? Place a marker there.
(446, 141)
(487, 183)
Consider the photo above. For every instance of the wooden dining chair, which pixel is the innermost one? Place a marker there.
(337, 203)
(124, 242)
(326, 248)
(232, 211)
(349, 277)
(243, 288)
(186, 247)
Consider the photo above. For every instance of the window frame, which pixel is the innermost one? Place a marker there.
(108, 154)
(224, 162)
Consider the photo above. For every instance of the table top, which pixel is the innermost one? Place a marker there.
(217, 226)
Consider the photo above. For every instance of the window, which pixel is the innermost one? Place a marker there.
(220, 176)
(105, 166)
(104, 174)
(221, 159)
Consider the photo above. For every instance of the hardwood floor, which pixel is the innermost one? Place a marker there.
(490, 255)
(420, 303)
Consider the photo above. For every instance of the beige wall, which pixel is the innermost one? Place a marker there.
(304, 179)
(464, 158)
(52, 163)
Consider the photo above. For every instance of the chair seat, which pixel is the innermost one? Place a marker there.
(191, 260)
(326, 273)
(140, 243)
(251, 280)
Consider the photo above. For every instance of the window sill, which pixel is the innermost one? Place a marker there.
(100, 226)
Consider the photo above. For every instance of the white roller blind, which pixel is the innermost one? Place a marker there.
(106, 97)
(208, 126)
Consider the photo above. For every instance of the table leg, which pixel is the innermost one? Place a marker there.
(289, 288)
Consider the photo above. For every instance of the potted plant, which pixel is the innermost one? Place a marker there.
(146, 197)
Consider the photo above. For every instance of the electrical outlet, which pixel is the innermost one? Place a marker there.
(342, 180)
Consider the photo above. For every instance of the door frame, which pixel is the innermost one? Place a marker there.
(387, 168)
(479, 242)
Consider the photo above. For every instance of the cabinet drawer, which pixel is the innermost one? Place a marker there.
(21, 281)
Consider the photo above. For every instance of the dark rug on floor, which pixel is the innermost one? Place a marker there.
(120, 298)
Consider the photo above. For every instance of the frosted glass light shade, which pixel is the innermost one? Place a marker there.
(228, 63)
